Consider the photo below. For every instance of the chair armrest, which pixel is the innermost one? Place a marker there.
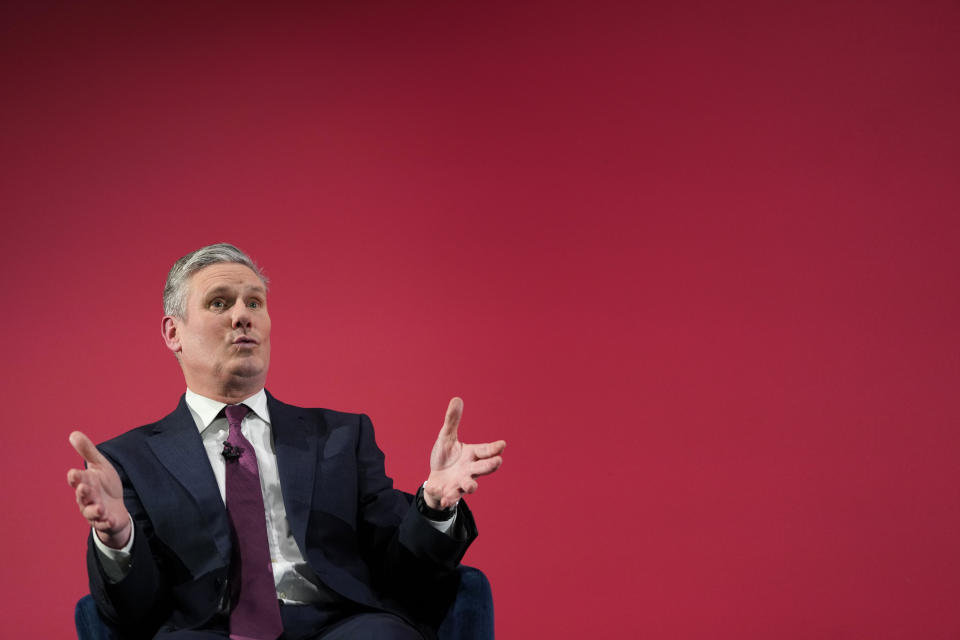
(90, 626)
(471, 616)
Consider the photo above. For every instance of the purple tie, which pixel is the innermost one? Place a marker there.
(255, 614)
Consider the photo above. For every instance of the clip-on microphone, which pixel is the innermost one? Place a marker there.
(231, 452)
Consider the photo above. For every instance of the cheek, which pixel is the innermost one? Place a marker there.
(206, 337)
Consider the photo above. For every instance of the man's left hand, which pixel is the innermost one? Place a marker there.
(455, 466)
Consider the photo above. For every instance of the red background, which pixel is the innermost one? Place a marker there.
(696, 262)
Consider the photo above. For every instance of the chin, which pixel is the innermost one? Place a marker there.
(248, 370)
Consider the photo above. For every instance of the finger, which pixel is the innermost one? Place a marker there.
(452, 496)
(452, 420)
(83, 495)
(85, 448)
(449, 499)
(88, 491)
(73, 477)
(77, 478)
(488, 449)
(87, 495)
(93, 513)
(485, 467)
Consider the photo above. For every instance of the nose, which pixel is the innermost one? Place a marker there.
(241, 317)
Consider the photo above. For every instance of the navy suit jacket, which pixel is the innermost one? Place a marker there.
(362, 538)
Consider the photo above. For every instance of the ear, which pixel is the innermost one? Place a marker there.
(169, 327)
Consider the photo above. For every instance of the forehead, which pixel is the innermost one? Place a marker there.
(224, 275)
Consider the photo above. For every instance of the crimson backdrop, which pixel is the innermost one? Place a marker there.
(696, 262)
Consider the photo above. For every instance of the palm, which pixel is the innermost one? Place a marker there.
(99, 493)
(455, 466)
(446, 453)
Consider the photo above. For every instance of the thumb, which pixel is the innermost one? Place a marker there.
(452, 420)
(85, 448)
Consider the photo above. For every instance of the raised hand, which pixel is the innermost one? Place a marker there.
(455, 466)
(99, 494)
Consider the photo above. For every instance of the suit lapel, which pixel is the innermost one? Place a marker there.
(296, 462)
(178, 446)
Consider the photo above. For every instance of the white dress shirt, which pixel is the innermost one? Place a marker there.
(294, 580)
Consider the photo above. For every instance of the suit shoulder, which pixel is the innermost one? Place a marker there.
(321, 415)
(335, 419)
(135, 438)
(126, 448)
(341, 417)
(130, 437)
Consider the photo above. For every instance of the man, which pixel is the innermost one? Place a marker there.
(179, 508)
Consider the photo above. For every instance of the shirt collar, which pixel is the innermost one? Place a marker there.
(206, 410)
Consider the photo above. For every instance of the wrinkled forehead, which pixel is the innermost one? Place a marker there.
(227, 277)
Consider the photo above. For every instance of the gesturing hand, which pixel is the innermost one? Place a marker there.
(455, 466)
(99, 494)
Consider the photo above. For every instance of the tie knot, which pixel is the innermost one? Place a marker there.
(235, 413)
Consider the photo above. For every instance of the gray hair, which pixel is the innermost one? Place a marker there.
(175, 289)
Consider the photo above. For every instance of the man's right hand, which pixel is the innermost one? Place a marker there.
(100, 494)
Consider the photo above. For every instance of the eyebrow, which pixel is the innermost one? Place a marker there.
(224, 289)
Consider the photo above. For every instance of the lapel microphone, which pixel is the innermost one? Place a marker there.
(231, 452)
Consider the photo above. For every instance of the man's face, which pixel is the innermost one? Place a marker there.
(224, 341)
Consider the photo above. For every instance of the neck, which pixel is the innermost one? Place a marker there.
(226, 393)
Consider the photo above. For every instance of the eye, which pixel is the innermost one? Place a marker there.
(254, 304)
(218, 304)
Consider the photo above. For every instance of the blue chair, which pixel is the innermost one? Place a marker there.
(470, 617)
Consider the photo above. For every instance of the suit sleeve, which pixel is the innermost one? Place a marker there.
(137, 598)
(412, 563)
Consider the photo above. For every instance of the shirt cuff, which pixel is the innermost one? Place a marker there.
(115, 562)
(443, 526)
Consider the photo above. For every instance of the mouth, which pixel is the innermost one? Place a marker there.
(244, 341)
